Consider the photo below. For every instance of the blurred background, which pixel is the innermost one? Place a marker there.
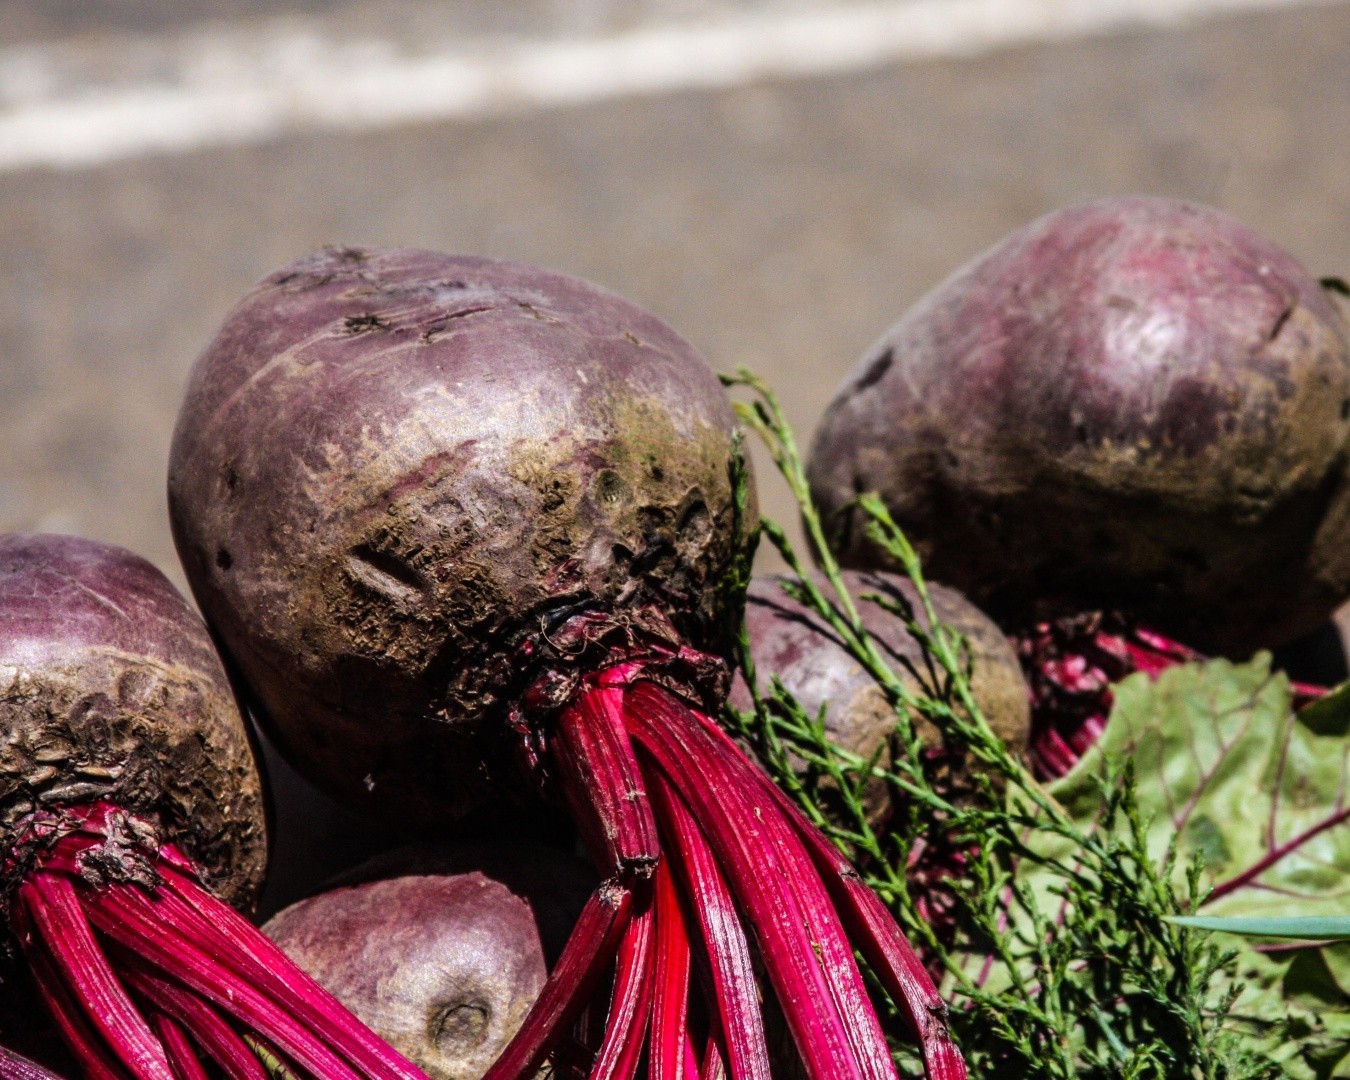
(779, 180)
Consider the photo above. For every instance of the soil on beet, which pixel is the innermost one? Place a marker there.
(1134, 404)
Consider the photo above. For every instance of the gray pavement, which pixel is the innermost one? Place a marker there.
(781, 226)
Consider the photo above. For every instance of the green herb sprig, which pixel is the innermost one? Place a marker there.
(1084, 975)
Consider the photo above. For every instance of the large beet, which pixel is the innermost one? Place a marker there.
(397, 471)
(1132, 403)
(463, 526)
(131, 805)
(441, 951)
(790, 642)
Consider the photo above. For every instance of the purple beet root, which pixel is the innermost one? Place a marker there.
(463, 526)
(131, 810)
(443, 951)
(792, 643)
(397, 471)
(115, 695)
(1131, 404)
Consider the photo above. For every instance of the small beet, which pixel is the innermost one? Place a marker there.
(113, 693)
(441, 952)
(464, 526)
(791, 642)
(1130, 404)
(131, 809)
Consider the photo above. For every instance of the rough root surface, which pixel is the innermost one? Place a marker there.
(396, 471)
(1131, 403)
(110, 691)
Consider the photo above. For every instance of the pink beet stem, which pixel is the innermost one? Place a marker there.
(603, 783)
(209, 1030)
(796, 936)
(251, 955)
(724, 941)
(714, 1063)
(59, 920)
(631, 1005)
(588, 952)
(889, 953)
(79, 1036)
(126, 915)
(670, 1000)
(201, 945)
(182, 1055)
(17, 1067)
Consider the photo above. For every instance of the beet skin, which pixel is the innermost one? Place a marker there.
(792, 643)
(397, 470)
(1133, 403)
(111, 691)
(441, 952)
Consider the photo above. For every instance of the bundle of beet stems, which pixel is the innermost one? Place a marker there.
(1096, 984)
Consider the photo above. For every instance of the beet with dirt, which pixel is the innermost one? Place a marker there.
(465, 528)
(110, 691)
(1132, 404)
(131, 818)
(440, 950)
(791, 642)
(378, 518)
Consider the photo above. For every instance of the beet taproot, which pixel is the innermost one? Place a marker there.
(463, 526)
(792, 643)
(1132, 404)
(131, 817)
(440, 950)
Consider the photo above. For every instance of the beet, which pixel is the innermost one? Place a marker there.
(464, 526)
(378, 521)
(114, 694)
(1132, 403)
(791, 642)
(131, 809)
(443, 951)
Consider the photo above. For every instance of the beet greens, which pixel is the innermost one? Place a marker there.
(466, 527)
(132, 820)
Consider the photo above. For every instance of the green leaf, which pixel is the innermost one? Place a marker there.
(1229, 773)
(1302, 927)
(1227, 776)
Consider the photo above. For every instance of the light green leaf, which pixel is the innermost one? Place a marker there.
(1305, 928)
(1228, 772)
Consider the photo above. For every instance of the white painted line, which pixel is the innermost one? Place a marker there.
(231, 87)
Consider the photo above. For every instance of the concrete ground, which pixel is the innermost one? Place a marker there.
(781, 225)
